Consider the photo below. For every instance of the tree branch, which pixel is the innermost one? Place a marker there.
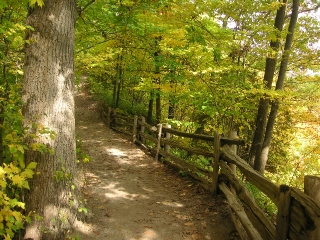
(82, 9)
(306, 10)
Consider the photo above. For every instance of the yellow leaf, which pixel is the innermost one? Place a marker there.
(3, 184)
(2, 172)
(20, 148)
(17, 215)
(18, 180)
(33, 2)
(10, 169)
(40, 3)
(25, 185)
(7, 237)
(32, 165)
(8, 137)
(27, 173)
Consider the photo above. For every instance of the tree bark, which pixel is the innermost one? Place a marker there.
(114, 96)
(48, 88)
(271, 62)
(5, 95)
(171, 110)
(158, 107)
(150, 109)
(119, 79)
(260, 166)
(157, 81)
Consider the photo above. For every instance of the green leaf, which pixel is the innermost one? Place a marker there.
(3, 4)
(25, 185)
(38, 2)
(10, 218)
(83, 209)
(21, 162)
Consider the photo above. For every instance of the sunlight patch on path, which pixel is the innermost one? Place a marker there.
(115, 152)
(118, 192)
(147, 234)
(81, 226)
(172, 204)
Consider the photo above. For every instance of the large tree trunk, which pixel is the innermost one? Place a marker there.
(261, 164)
(271, 62)
(48, 96)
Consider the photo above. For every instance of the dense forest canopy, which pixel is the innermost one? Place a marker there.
(199, 65)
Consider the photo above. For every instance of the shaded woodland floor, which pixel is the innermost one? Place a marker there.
(130, 196)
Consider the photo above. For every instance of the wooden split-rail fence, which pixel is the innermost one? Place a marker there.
(298, 215)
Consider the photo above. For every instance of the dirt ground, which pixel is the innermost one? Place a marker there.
(130, 196)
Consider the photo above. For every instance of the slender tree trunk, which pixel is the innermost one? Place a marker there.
(268, 79)
(172, 96)
(150, 109)
(120, 80)
(2, 107)
(117, 87)
(48, 96)
(158, 107)
(260, 166)
(1, 133)
(171, 110)
(114, 96)
(157, 81)
(118, 94)
(5, 95)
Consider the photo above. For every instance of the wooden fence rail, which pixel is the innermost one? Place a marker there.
(298, 215)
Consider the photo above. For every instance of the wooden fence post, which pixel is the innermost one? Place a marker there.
(142, 129)
(109, 117)
(312, 189)
(283, 215)
(159, 140)
(134, 130)
(233, 167)
(168, 135)
(215, 165)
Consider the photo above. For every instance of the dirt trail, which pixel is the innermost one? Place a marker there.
(130, 196)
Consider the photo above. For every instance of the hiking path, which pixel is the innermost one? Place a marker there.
(130, 196)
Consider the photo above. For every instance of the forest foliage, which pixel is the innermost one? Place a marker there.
(200, 65)
(197, 65)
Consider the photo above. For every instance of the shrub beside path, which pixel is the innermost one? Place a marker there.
(130, 196)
